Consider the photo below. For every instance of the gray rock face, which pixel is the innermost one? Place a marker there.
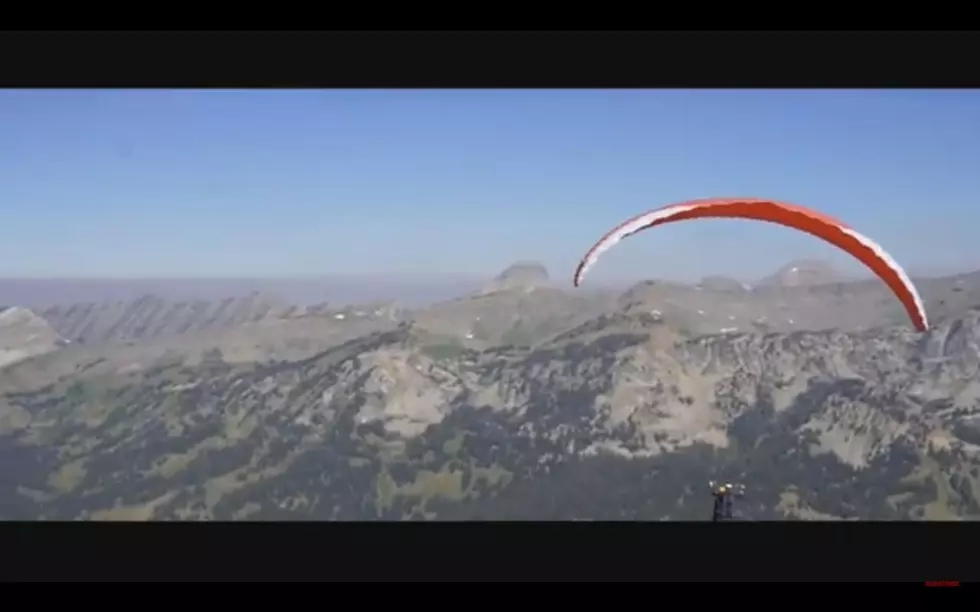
(151, 316)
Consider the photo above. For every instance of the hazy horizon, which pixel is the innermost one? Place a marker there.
(458, 184)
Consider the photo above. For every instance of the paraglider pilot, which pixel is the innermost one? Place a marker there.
(723, 494)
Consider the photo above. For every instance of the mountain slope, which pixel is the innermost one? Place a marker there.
(151, 317)
(620, 417)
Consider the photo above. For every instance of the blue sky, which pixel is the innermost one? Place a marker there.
(266, 183)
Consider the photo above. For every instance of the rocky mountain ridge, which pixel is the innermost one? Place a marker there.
(509, 404)
(150, 316)
(406, 429)
(714, 305)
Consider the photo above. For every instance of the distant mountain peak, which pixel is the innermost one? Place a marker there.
(803, 272)
(722, 284)
(520, 276)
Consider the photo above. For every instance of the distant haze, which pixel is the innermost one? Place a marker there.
(407, 290)
(410, 291)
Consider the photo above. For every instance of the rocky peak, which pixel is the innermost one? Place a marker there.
(521, 276)
(722, 284)
(803, 272)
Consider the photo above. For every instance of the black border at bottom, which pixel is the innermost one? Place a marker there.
(501, 552)
(489, 58)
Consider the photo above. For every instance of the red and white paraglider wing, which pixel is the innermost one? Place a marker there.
(804, 219)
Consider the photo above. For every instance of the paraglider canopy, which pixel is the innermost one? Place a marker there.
(833, 231)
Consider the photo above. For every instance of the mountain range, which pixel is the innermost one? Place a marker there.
(521, 399)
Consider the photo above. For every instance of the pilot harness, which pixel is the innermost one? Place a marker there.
(723, 494)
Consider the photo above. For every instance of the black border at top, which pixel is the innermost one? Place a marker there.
(499, 552)
(489, 59)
